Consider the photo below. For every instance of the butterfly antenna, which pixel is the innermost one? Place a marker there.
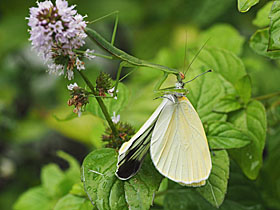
(198, 76)
(196, 55)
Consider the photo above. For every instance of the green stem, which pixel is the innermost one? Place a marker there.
(267, 96)
(101, 104)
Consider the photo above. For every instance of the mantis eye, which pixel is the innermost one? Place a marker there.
(182, 75)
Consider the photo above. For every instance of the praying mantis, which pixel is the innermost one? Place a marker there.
(129, 60)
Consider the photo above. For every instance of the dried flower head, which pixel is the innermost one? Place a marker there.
(79, 98)
(125, 132)
(56, 31)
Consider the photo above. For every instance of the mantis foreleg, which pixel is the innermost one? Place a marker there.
(160, 82)
(122, 64)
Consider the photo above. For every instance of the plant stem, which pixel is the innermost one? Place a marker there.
(267, 96)
(101, 104)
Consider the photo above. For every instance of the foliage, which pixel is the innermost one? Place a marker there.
(266, 41)
(59, 190)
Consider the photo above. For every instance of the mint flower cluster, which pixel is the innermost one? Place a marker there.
(56, 32)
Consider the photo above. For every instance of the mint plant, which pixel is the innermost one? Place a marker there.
(235, 121)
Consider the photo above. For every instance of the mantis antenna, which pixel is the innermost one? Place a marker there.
(196, 56)
(185, 53)
(198, 76)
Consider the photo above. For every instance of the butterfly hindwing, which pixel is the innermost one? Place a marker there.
(133, 152)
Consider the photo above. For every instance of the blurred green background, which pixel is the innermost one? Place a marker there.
(31, 100)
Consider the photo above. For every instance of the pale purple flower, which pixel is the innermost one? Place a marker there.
(56, 69)
(89, 54)
(56, 31)
(72, 86)
(111, 92)
(115, 118)
(80, 64)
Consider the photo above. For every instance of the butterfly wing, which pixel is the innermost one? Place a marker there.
(133, 152)
(179, 148)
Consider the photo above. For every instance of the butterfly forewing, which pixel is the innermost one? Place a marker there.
(132, 153)
(179, 147)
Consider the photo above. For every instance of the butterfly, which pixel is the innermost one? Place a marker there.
(178, 145)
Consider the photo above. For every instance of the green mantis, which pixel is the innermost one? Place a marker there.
(128, 60)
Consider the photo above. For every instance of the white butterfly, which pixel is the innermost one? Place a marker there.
(177, 141)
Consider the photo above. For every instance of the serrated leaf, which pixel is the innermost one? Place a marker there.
(106, 191)
(252, 120)
(244, 89)
(216, 186)
(223, 36)
(274, 34)
(34, 199)
(113, 105)
(262, 19)
(245, 5)
(227, 104)
(72, 202)
(51, 177)
(199, 93)
(206, 91)
(226, 64)
(223, 135)
(259, 43)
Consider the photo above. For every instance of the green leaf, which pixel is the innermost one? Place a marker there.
(78, 189)
(51, 177)
(57, 182)
(106, 191)
(216, 186)
(252, 120)
(227, 104)
(223, 36)
(72, 202)
(74, 167)
(231, 205)
(242, 190)
(113, 105)
(183, 199)
(223, 135)
(244, 89)
(205, 92)
(269, 180)
(274, 34)
(262, 19)
(189, 199)
(259, 43)
(245, 5)
(200, 91)
(224, 63)
(34, 199)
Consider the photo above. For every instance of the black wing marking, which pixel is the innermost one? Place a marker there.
(130, 162)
